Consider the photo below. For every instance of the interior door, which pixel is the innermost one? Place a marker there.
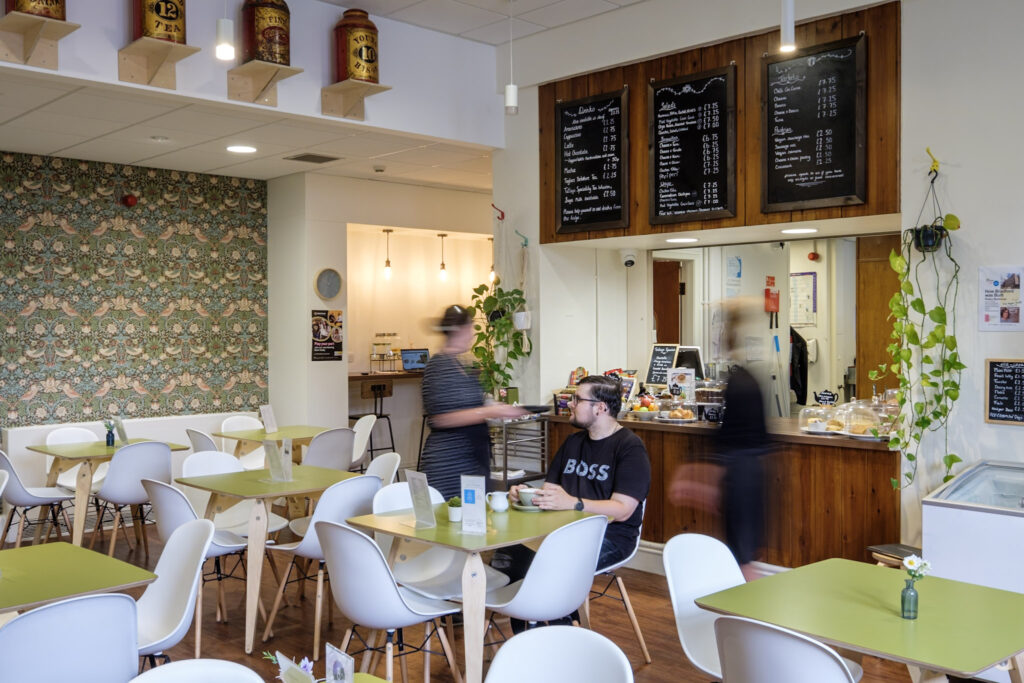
(666, 301)
(876, 283)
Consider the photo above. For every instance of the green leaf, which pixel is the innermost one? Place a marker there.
(948, 477)
(919, 407)
(938, 315)
(950, 341)
(918, 305)
(904, 354)
(872, 375)
(950, 459)
(912, 337)
(895, 483)
(897, 262)
(938, 333)
(908, 287)
(927, 359)
(951, 222)
(953, 394)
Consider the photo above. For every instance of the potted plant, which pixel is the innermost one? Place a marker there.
(454, 509)
(499, 342)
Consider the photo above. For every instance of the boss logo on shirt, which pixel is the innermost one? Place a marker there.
(581, 469)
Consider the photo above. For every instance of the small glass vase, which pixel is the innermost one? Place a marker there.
(110, 437)
(908, 601)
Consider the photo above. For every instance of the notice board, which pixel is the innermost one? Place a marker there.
(813, 127)
(591, 175)
(1004, 391)
(692, 141)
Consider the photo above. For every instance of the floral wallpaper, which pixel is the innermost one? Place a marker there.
(153, 309)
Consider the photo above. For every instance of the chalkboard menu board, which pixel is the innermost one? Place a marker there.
(1004, 390)
(663, 357)
(813, 127)
(693, 147)
(591, 173)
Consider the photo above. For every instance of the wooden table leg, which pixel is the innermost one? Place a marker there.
(83, 485)
(258, 521)
(1017, 669)
(474, 588)
(919, 675)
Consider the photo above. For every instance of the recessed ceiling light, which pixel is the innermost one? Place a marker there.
(241, 149)
(799, 231)
(159, 138)
(681, 240)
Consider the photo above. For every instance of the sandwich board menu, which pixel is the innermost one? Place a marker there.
(591, 171)
(1004, 391)
(663, 357)
(813, 127)
(693, 147)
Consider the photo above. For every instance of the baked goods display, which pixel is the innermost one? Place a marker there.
(710, 391)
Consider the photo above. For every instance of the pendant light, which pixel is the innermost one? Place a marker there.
(225, 50)
(442, 275)
(787, 29)
(511, 90)
(492, 275)
(387, 258)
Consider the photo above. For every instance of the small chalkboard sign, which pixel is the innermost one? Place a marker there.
(1004, 391)
(662, 358)
(591, 170)
(692, 142)
(813, 127)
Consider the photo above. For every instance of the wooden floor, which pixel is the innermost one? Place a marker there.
(294, 630)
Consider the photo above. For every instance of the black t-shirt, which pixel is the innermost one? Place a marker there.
(596, 469)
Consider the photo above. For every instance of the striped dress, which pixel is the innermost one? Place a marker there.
(450, 453)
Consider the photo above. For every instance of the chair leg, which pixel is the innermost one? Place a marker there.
(199, 619)
(7, 526)
(632, 618)
(21, 527)
(585, 613)
(389, 659)
(429, 632)
(318, 611)
(347, 639)
(273, 565)
(67, 520)
(368, 654)
(449, 655)
(140, 528)
(118, 521)
(277, 601)
(401, 657)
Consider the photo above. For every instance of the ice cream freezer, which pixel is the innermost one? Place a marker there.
(972, 530)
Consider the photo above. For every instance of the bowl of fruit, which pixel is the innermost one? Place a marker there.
(645, 408)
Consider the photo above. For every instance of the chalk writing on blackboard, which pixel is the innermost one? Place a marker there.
(1004, 390)
(663, 357)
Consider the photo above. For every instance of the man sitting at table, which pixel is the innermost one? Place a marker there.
(603, 469)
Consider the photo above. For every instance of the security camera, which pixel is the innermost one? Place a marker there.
(628, 257)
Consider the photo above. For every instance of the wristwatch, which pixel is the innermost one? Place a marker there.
(579, 504)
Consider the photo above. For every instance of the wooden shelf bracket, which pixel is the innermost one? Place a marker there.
(150, 61)
(256, 81)
(344, 99)
(32, 40)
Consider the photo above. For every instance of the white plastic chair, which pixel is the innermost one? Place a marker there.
(430, 570)
(340, 501)
(756, 652)
(254, 459)
(696, 565)
(609, 571)
(97, 641)
(363, 428)
(365, 590)
(236, 518)
(560, 576)
(69, 478)
(199, 671)
(556, 654)
(123, 486)
(172, 510)
(166, 609)
(331, 448)
(201, 441)
(23, 498)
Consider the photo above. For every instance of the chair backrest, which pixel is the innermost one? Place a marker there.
(166, 609)
(362, 584)
(237, 423)
(15, 492)
(201, 441)
(199, 671)
(636, 546)
(385, 466)
(70, 435)
(696, 565)
(97, 641)
(129, 466)
(349, 498)
(213, 462)
(170, 507)
(363, 427)
(331, 448)
(398, 497)
(4, 476)
(756, 652)
(562, 572)
(560, 653)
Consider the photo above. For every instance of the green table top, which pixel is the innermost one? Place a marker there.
(38, 574)
(257, 483)
(92, 449)
(961, 628)
(291, 432)
(503, 528)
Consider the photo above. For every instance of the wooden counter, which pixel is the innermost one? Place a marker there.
(828, 496)
(412, 374)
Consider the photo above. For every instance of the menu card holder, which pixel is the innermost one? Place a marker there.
(290, 671)
(267, 415)
(279, 462)
(122, 435)
(474, 505)
(340, 666)
(421, 506)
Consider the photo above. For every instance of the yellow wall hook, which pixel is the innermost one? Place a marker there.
(934, 168)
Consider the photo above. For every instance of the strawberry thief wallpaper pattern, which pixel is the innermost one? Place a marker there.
(111, 306)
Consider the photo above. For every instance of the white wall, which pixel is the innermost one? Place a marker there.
(818, 373)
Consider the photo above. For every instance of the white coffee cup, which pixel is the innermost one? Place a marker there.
(498, 500)
(526, 495)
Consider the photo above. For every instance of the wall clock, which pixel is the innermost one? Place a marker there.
(328, 283)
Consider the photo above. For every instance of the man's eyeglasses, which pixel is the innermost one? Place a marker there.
(576, 399)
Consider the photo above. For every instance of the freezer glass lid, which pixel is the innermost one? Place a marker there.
(998, 485)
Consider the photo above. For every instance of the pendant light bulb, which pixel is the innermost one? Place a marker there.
(387, 257)
(442, 274)
(225, 49)
(387, 269)
(492, 275)
(787, 28)
(511, 99)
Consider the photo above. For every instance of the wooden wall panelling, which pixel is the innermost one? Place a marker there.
(654, 514)
(546, 134)
(714, 57)
(882, 27)
(871, 506)
(756, 48)
(876, 283)
(634, 76)
(695, 453)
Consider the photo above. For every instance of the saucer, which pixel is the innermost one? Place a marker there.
(525, 508)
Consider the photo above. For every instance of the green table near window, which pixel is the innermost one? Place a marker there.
(503, 529)
(231, 489)
(961, 629)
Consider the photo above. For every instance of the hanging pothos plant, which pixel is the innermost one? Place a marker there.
(498, 344)
(923, 350)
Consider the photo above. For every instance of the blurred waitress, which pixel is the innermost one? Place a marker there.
(459, 442)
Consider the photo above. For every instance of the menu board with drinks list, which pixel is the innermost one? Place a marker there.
(1004, 390)
(813, 127)
(693, 147)
(591, 172)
